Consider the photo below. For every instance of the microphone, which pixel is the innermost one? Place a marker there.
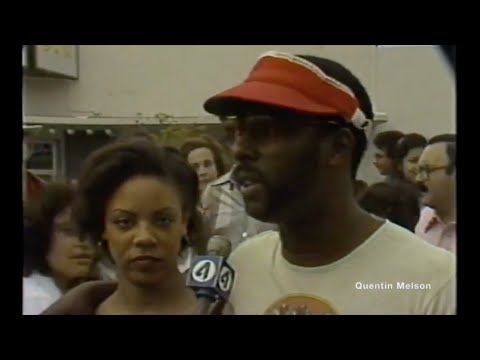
(219, 246)
(210, 276)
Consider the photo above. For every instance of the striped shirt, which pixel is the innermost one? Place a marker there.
(224, 212)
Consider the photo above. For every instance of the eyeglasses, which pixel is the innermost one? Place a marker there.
(425, 171)
(263, 127)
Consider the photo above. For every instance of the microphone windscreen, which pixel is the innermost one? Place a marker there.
(219, 245)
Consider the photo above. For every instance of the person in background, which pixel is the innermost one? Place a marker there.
(386, 161)
(35, 185)
(407, 151)
(392, 161)
(138, 198)
(55, 259)
(205, 157)
(301, 125)
(196, 238)
(437, 179)
(390, 201)
(359, 189)
(223, 207)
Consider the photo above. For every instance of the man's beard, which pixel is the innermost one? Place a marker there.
(288, 200)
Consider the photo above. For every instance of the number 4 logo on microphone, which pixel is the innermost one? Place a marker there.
(211, 274)
(226, 279)
(204, 271)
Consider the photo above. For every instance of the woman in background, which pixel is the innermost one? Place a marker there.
(396, 158)
(386, 160)
(55, 259)
(408, 151)
(205, 156)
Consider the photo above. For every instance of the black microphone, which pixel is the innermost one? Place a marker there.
(210, 276)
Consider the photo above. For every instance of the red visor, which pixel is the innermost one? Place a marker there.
(286, 81)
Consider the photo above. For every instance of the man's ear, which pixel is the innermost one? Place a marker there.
(340, 145)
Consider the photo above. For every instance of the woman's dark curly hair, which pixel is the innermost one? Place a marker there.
(38, 222)
(111, 165)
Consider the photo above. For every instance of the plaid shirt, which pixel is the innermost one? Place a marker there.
(224, 212)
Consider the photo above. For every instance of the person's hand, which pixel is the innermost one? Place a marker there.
(83, 299)
(219, 307)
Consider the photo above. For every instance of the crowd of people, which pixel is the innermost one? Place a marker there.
(419, 191)
(307, 236)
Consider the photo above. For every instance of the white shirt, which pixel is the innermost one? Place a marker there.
(392, 272)
(225, 215)
(39, 292)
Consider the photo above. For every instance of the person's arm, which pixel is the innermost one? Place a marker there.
(83, 299)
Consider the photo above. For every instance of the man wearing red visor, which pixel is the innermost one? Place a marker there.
(301, 131)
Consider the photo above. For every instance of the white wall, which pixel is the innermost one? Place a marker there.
(412, 85)
(119, 80)
(415, 87)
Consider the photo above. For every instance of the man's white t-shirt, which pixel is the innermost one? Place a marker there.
(392, 272)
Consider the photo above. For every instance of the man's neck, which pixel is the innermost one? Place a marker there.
(320, 238)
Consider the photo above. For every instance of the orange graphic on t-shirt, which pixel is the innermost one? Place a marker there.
(301, 305)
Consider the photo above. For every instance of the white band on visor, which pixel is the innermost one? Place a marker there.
(358, 118)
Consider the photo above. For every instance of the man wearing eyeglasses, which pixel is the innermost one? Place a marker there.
(437, 179)
(301, 126)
